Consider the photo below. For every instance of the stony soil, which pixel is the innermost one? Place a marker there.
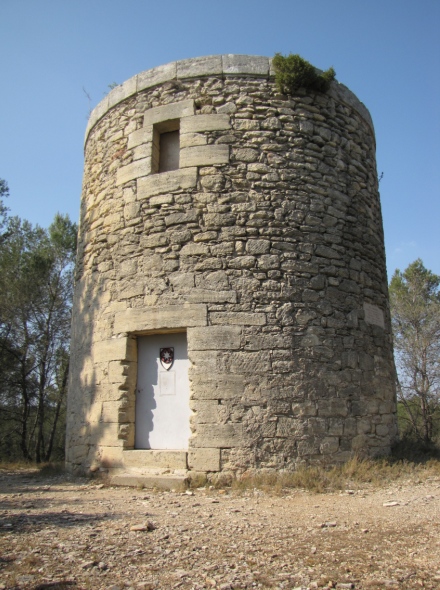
(64, 533)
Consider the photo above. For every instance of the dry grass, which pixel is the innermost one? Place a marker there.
(48, 469)
(356, 472)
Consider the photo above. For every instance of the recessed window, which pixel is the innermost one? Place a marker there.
(166, 146)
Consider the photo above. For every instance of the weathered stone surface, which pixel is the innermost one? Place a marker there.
(199, 66)
(157, 184)
(175, 110)
(218, 435)
(214, 338)
(204, 459)
(208, 155)
(200, 123)
(238, 318)
(135, 170)
(245, 64)
(157, 75)
(216, 385)
(115, 349)
(158, 318)
(265, 246)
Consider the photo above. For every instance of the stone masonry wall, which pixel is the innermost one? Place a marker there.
(266, 246)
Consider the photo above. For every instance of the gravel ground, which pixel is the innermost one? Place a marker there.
(69, 533)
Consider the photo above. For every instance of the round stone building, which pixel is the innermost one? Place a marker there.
(231, 308)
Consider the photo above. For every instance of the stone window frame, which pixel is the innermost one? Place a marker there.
(194, 148)
(158, 163)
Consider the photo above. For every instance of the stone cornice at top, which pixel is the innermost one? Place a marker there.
(254, 66)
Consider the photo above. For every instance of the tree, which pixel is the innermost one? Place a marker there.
(4, 192)
(36, 282)
(415, 312)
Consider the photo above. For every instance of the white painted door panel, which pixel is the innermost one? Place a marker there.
(162, 396)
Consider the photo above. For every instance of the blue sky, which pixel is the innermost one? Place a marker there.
(387, 52)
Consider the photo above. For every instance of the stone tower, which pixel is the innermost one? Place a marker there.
(231, 307)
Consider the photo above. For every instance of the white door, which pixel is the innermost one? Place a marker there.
(162, 393)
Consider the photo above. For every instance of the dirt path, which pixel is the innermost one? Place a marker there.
(60, 533)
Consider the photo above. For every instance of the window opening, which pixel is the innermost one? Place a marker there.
(166, 146)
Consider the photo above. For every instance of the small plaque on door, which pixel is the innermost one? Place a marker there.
(167, 357)
(167, 383)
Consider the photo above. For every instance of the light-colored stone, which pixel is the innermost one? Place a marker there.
(158, 75)
(223, 436)
(114, 349)
(175, 110)
(122, 91)
(206, 385)
(195, 67)
(245, 64)
(135, 170)
(151, 459)
(165, 182)
(207, 155)
(204, 459)
(140, 136)
(148, 319)
(200, 123)
(238, 318)
(214, 338)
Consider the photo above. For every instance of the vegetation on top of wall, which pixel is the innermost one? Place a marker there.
(293, 72)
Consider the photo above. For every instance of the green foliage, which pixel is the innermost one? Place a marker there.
(293, 72)
(415, 315)
(36, 283)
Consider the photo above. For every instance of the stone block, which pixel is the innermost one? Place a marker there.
(249, 362)
(209, 65)
(206, 362)
(218, 436)
(374, 315)
(246, 64)
(160, 318)
(120, 411)
(258, 246)
(115, 349)
(329, 445)
(140, 136)
(174, 110)
(109, 392)
(239, 318)
(108, 434)
(290, 427)
(122, 91)
(206, 411)
(207, 155)
(204, 459)
(214, 337)
(206, 385)
(192, 139)
(211, 296)
(189, 216)
(155, 76)
(166, 182)
(154, 459)
(98, 112)
(332, 407)
(134, 170)
(200, 123)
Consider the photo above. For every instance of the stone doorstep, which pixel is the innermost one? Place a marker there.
(164, 481)
(146, 459)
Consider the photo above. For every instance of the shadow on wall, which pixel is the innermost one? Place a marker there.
(98, 410)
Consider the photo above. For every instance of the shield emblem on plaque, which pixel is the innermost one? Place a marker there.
(167, 357)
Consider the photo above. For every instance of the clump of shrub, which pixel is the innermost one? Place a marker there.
(293, 72)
